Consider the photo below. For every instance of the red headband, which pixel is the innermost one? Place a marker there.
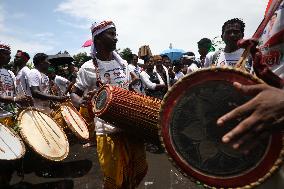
(23, 56)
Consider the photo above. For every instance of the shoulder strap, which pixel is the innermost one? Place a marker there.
(99, 82)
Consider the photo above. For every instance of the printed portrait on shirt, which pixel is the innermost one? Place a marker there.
(107, 78)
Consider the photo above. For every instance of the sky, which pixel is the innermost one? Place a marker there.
(51, 26)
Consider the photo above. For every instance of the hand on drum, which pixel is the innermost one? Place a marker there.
(24, 100)
(261, 116)
(87, 98)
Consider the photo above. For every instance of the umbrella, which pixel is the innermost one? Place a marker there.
(173, 54)
(88, 43)
(60, 59)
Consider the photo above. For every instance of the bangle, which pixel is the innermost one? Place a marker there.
(14, 99)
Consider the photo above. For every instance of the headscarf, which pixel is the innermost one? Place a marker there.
(25, 56)
(5, 47)
(96, 29)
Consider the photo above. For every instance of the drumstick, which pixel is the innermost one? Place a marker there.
(242, 61)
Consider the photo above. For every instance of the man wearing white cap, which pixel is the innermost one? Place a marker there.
(123, 160)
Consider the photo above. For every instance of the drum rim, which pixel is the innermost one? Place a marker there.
(20, 140)
(210, 181)
(30, 145)
(70, 125)
(108, 89)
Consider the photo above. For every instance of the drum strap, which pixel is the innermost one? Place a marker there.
(99, 82)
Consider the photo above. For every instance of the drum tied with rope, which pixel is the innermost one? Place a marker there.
(134, 113)
(192, 139)
(68, 117)
(43, 134)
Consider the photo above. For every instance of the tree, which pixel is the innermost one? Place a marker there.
(126, 54)
(81, 58)
(218, 43)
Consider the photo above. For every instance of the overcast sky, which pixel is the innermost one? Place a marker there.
(57, 25)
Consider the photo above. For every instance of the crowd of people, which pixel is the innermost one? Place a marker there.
(123, 158)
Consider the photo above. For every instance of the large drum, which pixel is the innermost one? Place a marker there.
(132, 112)
(43, 134)
(68, 117)
(11, 145)
(193, 140)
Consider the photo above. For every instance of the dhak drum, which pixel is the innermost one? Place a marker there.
(134, 113)
(11, 145)
(43, 134)
(192, 139)
(68, 117)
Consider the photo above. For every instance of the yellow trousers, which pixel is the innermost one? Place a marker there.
(122, 160)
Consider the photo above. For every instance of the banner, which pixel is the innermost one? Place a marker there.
(271, 37)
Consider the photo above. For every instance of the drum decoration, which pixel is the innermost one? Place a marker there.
(11, 145)
(132, 112)
(68, 117)
(43, 134)
(192, 139)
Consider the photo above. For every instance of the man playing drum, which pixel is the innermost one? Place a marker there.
(263, 114)
(39, 83)
(7, 97)
(122, 158)
(7, 83)
(232, 31)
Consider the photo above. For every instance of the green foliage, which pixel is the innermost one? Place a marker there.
(126, 54)
(81, 58)
(30, 65)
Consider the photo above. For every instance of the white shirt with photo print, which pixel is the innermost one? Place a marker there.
(38, 79)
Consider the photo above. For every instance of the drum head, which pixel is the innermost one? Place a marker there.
(75, 121)
(101, 100)
(43, 135)
(193, 140)
(11, 145)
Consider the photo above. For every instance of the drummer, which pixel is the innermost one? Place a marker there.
(263, 115)
(22, 71)
(7, 82)
(8, 96)
(232, 32)
(122, 159)
(39, 84)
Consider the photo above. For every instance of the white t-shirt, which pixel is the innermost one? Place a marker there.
(146, 80)
(179, 75)
(110, 72)
(192, 68)
(7, 88)
(86, 77)
(61, 82)
(138, 87)
(223, 58)
(22, 83)
(37, 79)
